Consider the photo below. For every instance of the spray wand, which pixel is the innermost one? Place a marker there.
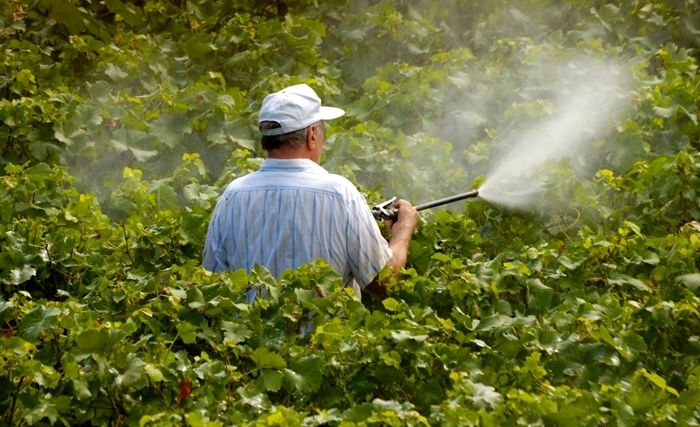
(384, 210)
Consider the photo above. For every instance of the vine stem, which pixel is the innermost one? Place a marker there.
(14, 400)
(126, 244)
(113, 402)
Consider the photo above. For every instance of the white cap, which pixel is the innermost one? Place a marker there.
(296, 107)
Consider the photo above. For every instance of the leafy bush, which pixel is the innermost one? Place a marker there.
(120, 123)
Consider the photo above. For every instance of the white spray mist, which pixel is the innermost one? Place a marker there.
(584, 106)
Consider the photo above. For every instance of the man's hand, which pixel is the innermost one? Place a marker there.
(406, 217)
(401, 231)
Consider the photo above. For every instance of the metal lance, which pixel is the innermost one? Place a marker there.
(384, 210)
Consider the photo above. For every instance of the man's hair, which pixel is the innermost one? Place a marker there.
(292, 139)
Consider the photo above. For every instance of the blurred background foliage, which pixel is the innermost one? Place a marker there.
(428, 85)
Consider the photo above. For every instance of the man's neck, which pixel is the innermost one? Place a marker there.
(288, 153)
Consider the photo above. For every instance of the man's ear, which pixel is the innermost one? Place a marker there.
(311, 137)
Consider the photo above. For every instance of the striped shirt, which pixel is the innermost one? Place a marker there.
(291, 212)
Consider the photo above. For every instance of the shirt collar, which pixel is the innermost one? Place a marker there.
(291, 165)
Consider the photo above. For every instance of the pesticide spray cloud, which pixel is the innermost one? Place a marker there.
(585, 104)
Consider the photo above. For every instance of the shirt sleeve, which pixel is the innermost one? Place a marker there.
(214, 258)
(368, 250)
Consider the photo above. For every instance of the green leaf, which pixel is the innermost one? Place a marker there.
(38, 322)
(81, 390)
(100, 90)
(441, 257)
(68, 133)
(154, 374)
(115, 72)
(236, 131)
(630, 345)
(235, 333)
(250, 395)
(86, 115)
(570, 264)
(657, 380)
(691, 281)
(131, 14)
(195, 298)
(26, 78)
(48, 406)
(606, 337)
(132, 373)
(400, 336)
(539, 295)
(6, 310)
(495, 322)
(67, 14)
(142, 155)
(651, 258)
(270, 380)
(485, 396)
(210, 370)
(623, 279)
(264, 358)
(392, 358)
(170, 129)
(305, 296)
(197, 419)
(191, 228)
(198, 46)
(306, 373)
(388, 374)
(390, 304)
(98, 340)
(20, 275)
(187, 332)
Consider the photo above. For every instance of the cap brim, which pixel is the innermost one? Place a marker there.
(330, 113)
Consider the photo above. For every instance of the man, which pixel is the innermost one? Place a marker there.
(292, 211)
